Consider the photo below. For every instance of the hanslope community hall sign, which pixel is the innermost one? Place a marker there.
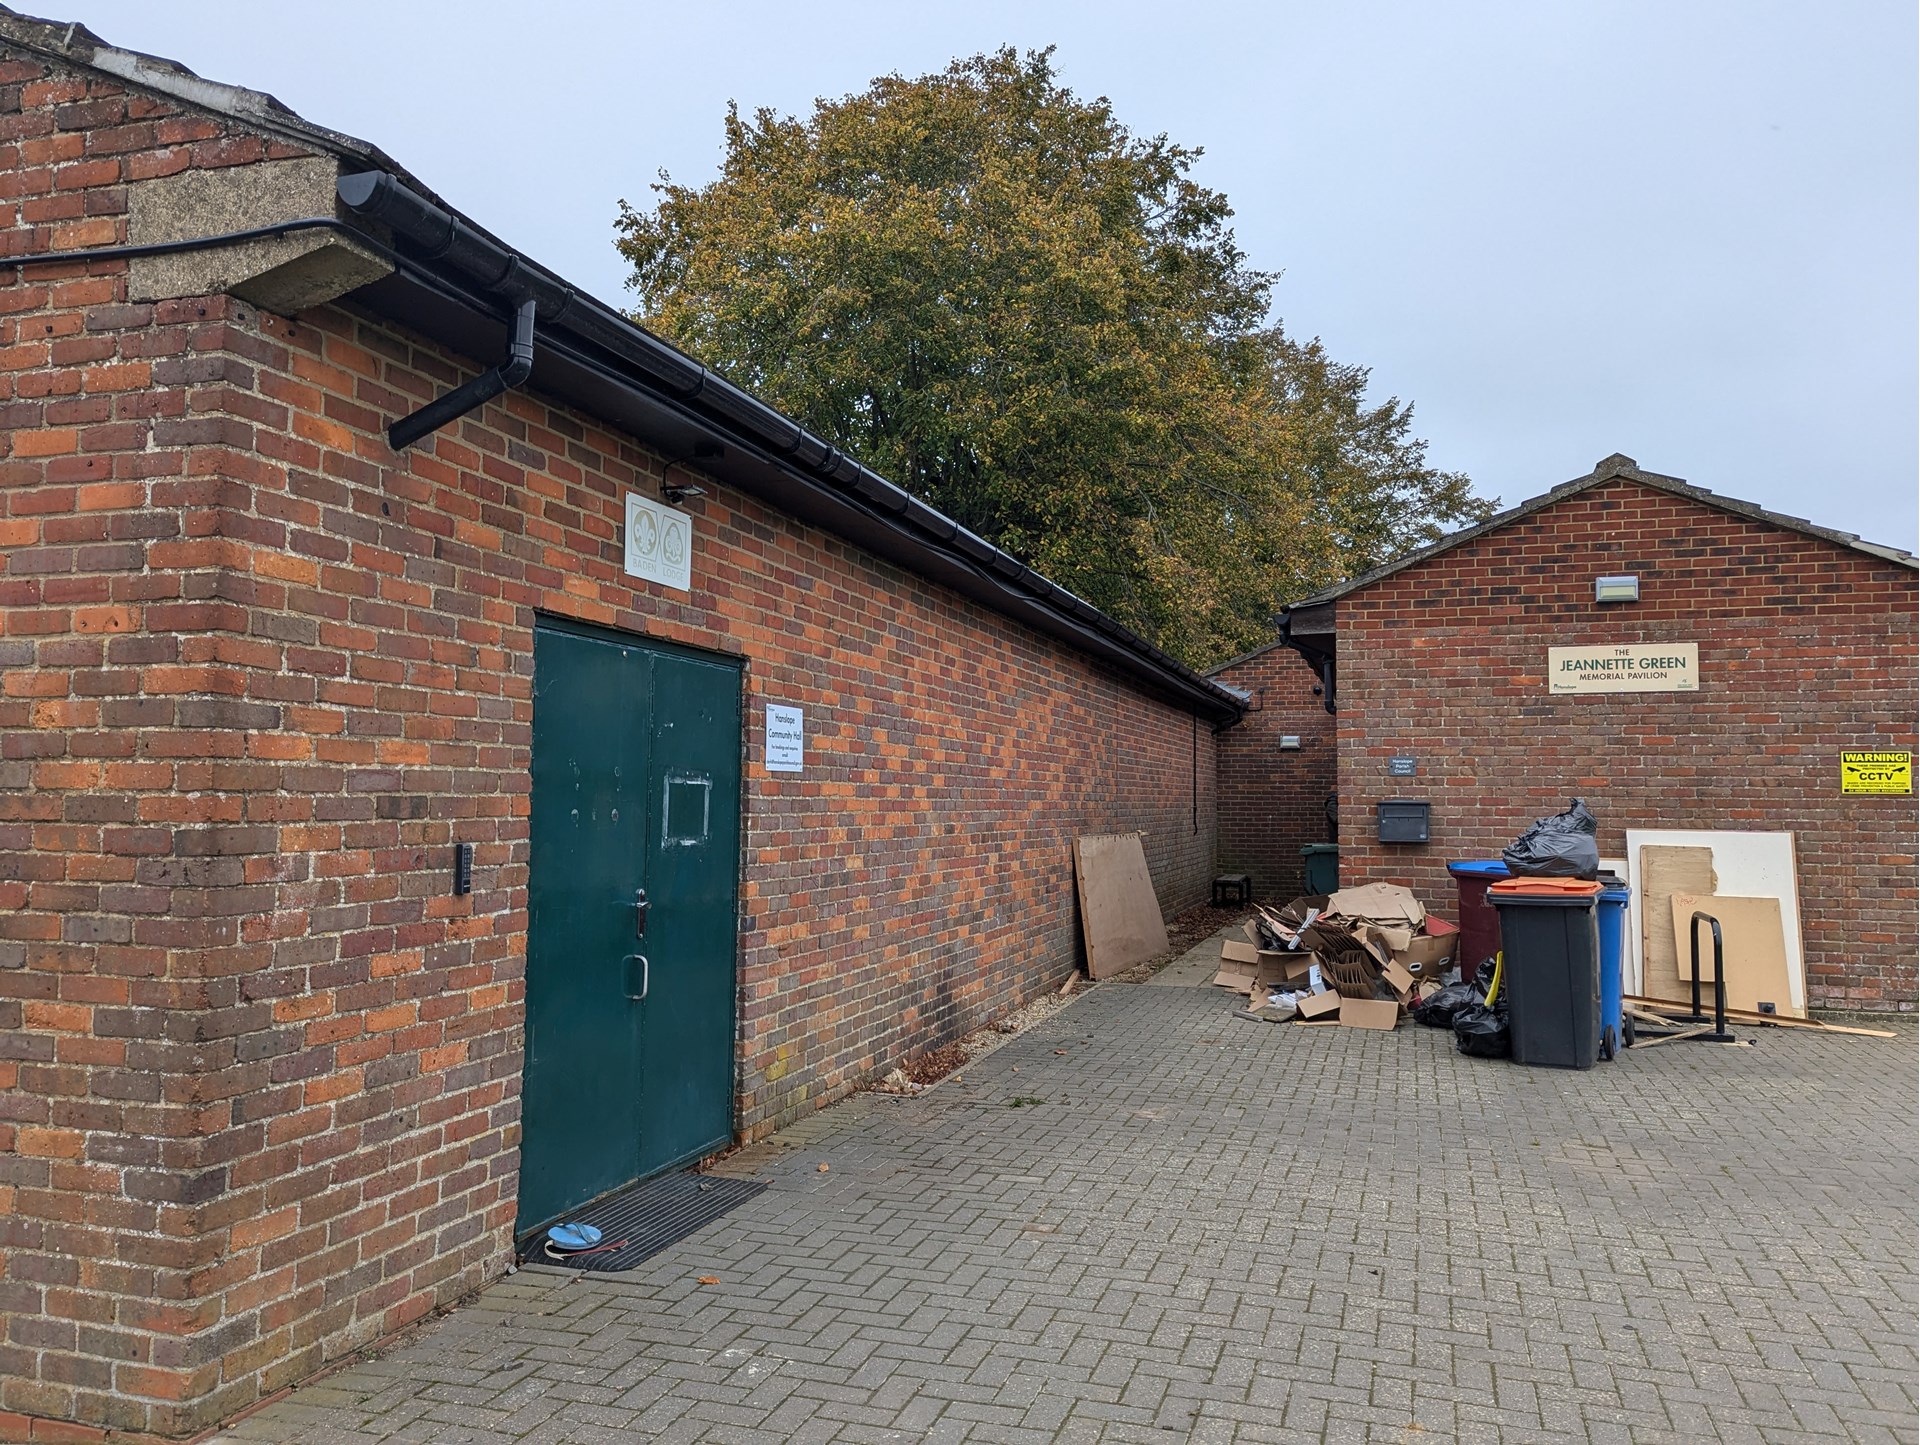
(1641, 667)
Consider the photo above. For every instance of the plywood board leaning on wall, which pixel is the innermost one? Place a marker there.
(1745, 865)
(1119, 911)
(1753, 951)
(1663, 873)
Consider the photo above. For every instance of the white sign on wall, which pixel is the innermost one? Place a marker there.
(659, 543)
(1640, 667)
(786, 739)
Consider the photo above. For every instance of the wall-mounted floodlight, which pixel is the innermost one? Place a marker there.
(1616, 589)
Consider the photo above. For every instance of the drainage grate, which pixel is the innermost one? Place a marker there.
(649, 1216)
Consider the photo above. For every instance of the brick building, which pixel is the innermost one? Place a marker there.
(1806, 647)
(1276, 769)
(330, 771)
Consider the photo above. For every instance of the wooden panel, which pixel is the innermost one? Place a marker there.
(1754, 948)
(1663, 873)
(1119, 912)
(1746, 865)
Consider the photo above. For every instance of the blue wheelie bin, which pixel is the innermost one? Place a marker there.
(1612, 905)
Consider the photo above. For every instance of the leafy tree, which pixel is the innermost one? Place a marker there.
(992, 293)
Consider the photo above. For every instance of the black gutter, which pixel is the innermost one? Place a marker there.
(437, 241)
(676, 384)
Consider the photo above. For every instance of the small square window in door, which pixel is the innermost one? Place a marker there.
(686, 811)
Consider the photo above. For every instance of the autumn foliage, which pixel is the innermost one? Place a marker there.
(993, 294)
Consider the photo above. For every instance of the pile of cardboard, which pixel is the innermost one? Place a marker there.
(1359, 957)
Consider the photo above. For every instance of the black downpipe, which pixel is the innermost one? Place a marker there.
(515, 368)
(438, 238)
(511, 372)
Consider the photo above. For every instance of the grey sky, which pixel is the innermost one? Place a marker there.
(1684, 231)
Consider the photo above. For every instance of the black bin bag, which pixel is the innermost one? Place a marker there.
(1439, 1011)
(1481, 1032)
(1567, 845)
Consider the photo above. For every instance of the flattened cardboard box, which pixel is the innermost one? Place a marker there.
(1398, 979)
(1397, 940)
(1236, 965)
(1370, 1013)
(1378, 903)
(1265, 969)
(1274, 969)
(1319, 1005)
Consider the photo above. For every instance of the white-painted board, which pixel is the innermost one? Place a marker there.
(1747, 865)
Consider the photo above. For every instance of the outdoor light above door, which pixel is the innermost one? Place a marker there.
(1616, 589)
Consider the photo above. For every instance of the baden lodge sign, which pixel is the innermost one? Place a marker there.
(1639, 667)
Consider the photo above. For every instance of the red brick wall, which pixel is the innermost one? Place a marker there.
(258, 1070)
(1272, 801)
(1805, 648)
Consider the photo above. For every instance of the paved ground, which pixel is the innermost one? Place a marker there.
(1145, 1220)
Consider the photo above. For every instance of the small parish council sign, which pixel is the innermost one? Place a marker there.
(1871, 772)
(1638, 667)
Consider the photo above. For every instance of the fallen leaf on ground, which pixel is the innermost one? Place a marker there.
(824, 1168)
(709, 1279)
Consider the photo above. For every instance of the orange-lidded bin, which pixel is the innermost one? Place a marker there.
(1554, 887)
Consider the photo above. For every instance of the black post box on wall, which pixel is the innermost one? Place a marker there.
(1403, 820)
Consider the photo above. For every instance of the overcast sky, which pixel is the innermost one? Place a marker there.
(1680, 230)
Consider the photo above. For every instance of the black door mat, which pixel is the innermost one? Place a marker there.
(645, 1218)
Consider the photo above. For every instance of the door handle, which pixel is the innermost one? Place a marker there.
(646, 976)
(640, 910)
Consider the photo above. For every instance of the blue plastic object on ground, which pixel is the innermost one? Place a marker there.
(574, 1236)
(1613, 930)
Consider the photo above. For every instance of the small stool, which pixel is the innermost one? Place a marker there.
(1238, 884)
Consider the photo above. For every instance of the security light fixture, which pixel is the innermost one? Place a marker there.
(1616, 589)
(678, 492)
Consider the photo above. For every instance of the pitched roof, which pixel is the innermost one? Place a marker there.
(636, 380)
(1614, 468)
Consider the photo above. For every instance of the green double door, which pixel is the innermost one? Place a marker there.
(631, 901)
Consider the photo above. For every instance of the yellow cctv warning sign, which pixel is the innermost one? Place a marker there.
(1876, 772)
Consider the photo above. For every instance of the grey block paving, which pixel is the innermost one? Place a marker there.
(1225, 1231)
